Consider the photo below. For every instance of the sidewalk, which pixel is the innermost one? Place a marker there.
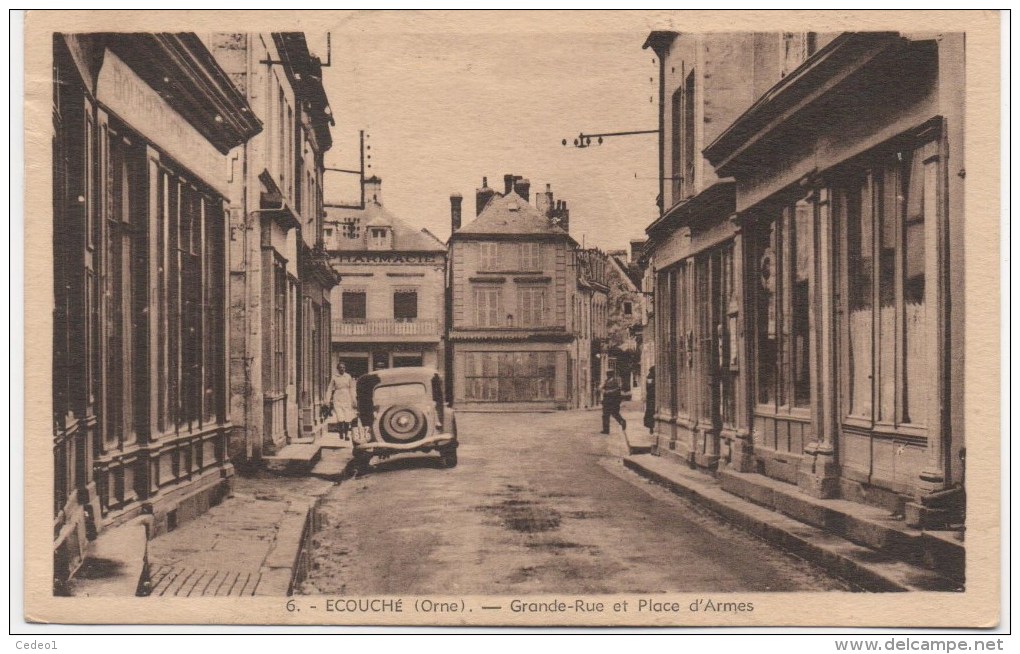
(250, 544)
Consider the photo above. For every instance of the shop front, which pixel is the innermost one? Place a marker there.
(847, 226)
(140, 270)
(699, 397)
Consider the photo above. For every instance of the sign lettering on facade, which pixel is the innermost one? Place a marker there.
(134, 101)
(411, 259)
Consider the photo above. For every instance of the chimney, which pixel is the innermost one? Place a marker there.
(455, 201)
(482, 196)
(560, 215)
(523, 188)
(508, 184)
(544, 201)
(373, 190)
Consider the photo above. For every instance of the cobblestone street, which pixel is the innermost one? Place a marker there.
(539, 503)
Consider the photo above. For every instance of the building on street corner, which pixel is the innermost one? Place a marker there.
(144, 127)
(512, 277)
(802, 266)
(389, 310)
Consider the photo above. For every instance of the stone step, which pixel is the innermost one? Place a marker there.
(862, 565)
(865, 525)
(295, 457)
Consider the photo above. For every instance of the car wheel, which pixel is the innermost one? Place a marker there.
(403, 424)
(448, 457)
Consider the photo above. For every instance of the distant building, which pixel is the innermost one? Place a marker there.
(389, 308)
(625, 316)
(512, 280)
(590, 303)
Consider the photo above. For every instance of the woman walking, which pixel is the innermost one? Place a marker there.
(341, 396)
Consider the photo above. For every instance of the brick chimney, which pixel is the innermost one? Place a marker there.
(373, 190)
(560, 215)
(482, 196)
(455, 201)
(544, 201)
(523, 188)
(508, 184)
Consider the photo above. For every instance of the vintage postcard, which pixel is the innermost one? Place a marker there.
(501, 318)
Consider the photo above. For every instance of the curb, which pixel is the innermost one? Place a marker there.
(861, 566)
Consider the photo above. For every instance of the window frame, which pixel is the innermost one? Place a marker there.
(344, 308)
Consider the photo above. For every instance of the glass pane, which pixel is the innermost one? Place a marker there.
(888, 214)
(802, 250)
(767, 272)
(860, 245)
(919, 188)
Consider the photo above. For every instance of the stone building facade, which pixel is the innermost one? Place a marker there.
(143, 130)
(512, 278)
(389, 309)
(802, 269)
(280, 278)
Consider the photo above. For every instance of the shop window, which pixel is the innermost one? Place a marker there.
(488, 307)
(189, 304)
(407, 360)
(883, 213)
(405, 305)
(785, 250)
(354, 306)
(531, 306)
(510, 376)
(125, 289)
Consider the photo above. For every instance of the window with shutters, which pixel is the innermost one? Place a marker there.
(488, 307)
(531, 306)
(489, 256)
(531, 256)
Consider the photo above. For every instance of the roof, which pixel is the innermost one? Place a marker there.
(510, 215)
(719, 198)
(626, 271)
(406, 238)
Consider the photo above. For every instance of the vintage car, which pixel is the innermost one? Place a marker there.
(402, 410)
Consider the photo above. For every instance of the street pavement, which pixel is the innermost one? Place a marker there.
(539, 503)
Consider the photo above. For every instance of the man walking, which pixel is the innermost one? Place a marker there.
(612, 395)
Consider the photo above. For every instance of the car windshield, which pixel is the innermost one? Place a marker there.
(400, 393)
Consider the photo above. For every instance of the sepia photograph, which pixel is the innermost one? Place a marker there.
(459, 318)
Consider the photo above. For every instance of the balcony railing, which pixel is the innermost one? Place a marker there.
(342, 329)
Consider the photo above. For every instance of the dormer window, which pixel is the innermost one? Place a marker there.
(378, 238)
